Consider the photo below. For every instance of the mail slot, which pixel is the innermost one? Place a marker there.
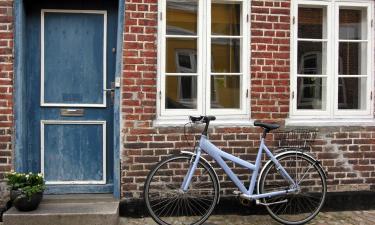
(72, 112)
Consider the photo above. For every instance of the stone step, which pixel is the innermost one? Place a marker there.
(90, 209)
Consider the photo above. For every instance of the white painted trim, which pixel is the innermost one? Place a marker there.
(42, 93)
(353, 41)
(181, 36)
(320, 122)
(240, 122)
(75, 11)
(294, 57)
(332, 40)
(104, 147)
(369, 39)
(162, 37)
(73, 105)
(244, 73)
(204, 57)
(159, 62)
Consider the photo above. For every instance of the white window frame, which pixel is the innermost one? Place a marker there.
(370, 53)
(203, 70)
(332, 112)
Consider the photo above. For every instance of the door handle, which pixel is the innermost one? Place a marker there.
(110, 89)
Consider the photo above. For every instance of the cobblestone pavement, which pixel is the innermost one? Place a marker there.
(324, 218)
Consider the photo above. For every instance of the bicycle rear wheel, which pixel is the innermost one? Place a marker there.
(303, 205)
(168, 204)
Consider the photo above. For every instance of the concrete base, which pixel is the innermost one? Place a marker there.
(80, 209)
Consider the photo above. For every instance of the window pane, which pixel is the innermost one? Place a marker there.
(181, 92)
(352, 58)
(181, 55)
(311, 23)
(225, 19)
(352, 93)
(311, 93)
(225, 55)
(225, 91)
(353, 24)
(312, 57)
(182, 17)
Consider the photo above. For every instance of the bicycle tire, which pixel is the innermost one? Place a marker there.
(299, 207)
(168, 204)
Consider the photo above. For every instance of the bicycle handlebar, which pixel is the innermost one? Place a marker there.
(203, 119)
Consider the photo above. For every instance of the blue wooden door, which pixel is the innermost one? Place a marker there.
(70, 63)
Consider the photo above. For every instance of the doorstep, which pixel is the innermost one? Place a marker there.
(73, 209)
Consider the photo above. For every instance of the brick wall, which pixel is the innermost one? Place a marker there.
(6, 90)
(270, 53)
(139, 94)
(346, 152)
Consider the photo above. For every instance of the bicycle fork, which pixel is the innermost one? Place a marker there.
(193, 165)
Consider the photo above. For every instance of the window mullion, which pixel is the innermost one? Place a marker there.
(371, 51)
(162, 51)
(206, 31)
(201, 61)
(333, 18)
(294, 58)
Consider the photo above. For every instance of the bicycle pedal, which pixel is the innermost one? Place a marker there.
(258, 202)
(237, 192)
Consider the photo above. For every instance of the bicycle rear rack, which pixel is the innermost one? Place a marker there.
(296, 138)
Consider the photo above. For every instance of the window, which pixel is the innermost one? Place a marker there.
(332, 68)
(203, 58)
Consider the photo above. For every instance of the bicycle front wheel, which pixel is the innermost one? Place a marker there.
(168, 204)
(303, 205)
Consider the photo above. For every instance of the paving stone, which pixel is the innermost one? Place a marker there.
(324, 218)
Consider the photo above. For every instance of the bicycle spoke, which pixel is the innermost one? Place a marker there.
(168, 204)
(299, 181)
(302, 204)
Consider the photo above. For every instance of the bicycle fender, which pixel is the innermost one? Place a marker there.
(293, 152)
(209, 164)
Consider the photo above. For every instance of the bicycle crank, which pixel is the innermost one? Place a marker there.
(245, 202)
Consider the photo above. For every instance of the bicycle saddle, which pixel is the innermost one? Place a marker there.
(268, 126)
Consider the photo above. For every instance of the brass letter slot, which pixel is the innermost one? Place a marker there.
(72, 112)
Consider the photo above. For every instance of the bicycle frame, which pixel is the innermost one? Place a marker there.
(219, 156)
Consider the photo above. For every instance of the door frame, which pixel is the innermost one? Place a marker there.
(20, 116)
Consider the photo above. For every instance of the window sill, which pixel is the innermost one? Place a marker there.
(220, 122)
(321, 122)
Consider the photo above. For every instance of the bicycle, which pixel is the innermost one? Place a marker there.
(184, 188)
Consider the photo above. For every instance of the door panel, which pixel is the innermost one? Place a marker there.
(75, 40)
(74, 152)
(69, 62)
